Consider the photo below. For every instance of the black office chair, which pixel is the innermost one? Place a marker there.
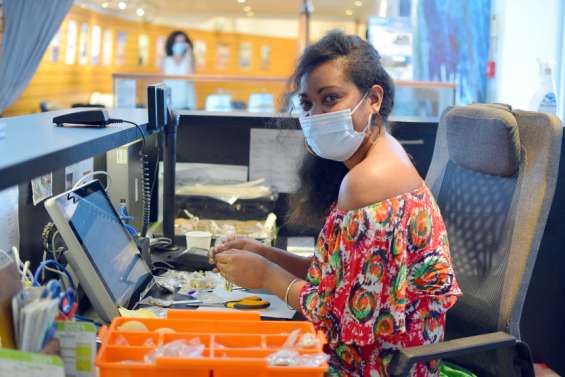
(91, 105)
(493, 173)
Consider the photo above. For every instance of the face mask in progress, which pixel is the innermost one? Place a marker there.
(332, 135)
(179, 48)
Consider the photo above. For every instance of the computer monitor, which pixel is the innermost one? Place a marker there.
(100, 250)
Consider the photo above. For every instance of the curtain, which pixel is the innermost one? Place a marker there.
(29, 26)
(452, 44)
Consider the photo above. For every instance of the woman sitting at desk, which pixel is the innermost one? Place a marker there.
(381, 276)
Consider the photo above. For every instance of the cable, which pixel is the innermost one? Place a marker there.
(148, 186)
(114, 121)
(26, 276)
(55, 264)
(92, 174)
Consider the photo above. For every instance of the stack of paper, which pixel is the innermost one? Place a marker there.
(34, 319)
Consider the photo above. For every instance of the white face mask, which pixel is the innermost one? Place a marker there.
(332, 135)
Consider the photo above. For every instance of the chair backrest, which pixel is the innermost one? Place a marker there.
(493, 173)
(218, 102)
(261, 102)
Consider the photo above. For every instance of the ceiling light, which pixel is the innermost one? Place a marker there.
(105, 4)
(140, 12)
(358, 3)
(241, 1)
(349, 12)
(247, 8)
(122, 5)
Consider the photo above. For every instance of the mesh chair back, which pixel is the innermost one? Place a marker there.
(494, 174)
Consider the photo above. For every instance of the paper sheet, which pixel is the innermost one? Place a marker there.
(278, 308)
(76, 171)
(9, 224)
(276, 155)
(193, 173)
(23, 364)
(303, 246)
(78, 347)
(42, 188)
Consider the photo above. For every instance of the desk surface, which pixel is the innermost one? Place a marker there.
(33, 146)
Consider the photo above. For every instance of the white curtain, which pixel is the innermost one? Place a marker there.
(29, 26)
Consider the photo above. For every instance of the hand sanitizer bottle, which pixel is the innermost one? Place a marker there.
(545, 99)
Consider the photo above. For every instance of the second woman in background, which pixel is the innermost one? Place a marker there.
(180, 62)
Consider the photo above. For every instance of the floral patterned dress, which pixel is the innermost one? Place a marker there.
(381, 279)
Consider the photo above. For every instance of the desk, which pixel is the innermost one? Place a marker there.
(33, 146)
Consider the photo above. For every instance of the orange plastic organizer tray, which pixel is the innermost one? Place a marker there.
(237, 344)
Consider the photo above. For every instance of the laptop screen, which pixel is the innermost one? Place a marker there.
(111, 250)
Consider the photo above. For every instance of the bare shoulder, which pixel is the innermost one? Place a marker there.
(369, 183)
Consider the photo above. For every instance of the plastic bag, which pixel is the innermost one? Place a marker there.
(288, 356)
(179, 348)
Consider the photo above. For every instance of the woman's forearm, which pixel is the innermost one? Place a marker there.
(294, 264)
(278, 282)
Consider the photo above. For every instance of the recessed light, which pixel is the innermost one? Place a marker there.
(105, 4)
(122, 5)
(241, 1)
(349, 12)
(358, 3)
(247, 8)
(140, 12)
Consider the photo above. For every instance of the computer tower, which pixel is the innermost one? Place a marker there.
(126, 169)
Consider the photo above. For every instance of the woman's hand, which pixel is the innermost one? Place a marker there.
(237, 243)
(243, 268)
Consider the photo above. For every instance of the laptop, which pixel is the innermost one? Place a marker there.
(101, 252)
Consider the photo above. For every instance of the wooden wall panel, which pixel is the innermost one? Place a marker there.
(62, 85)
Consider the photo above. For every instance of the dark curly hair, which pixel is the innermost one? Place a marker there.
(171, 41)
(320, 178)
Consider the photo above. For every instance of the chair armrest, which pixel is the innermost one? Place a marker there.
(405, 358)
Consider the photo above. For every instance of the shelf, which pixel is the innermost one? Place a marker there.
(33, 146)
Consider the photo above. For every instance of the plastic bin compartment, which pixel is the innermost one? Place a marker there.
(219, 326)
(296, 372)
(247, 341)
(124, 355)
(204, 338)
(227, 353)
(134, 339)
(275, 341)
(233, 341)
(129, 362)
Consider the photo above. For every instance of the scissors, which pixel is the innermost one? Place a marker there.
(248, 303)
(67, 299)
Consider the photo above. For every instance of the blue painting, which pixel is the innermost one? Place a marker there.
(452, 45)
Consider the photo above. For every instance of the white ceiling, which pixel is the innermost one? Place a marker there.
(164, 10)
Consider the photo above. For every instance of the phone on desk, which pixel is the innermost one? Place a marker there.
(86, 118)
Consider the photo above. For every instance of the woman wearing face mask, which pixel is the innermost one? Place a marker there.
(381, 276)
(180, 62)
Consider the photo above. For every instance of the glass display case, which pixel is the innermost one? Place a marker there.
(419, 99)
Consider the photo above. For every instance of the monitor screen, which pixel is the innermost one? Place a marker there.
(108, 245)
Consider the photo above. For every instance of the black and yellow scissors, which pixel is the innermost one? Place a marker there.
(248, 303)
